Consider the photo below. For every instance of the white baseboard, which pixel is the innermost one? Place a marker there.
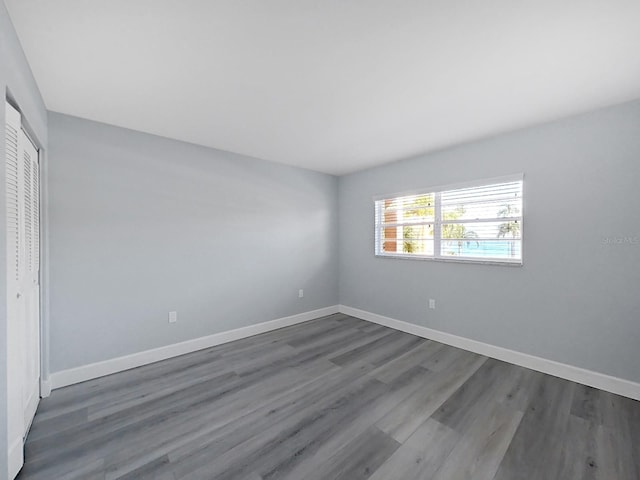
(608, 383)
(45, 388)
(16, 458)
(583, 376)
(114, 365)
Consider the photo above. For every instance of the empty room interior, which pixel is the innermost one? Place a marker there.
(294, 240)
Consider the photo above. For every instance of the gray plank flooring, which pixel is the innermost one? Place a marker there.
(333, 398)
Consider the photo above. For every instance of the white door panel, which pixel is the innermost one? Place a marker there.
(15, 418)
(23, 290)
(30, 288)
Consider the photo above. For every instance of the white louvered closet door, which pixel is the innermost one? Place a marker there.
(31, 288)
(23, 290)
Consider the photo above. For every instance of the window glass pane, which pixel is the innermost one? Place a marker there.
(417, 239)
(417, 231)
(417, 247)
(497, 192)
(497, 240)
(497, 249)
(481, 230)
(408, 247)
(389, 239)
(492, 201)
(407, 239)
(481, 211)
(412, 208)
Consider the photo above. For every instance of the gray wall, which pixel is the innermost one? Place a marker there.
(576, 299)
(141, 225)
(16, 81)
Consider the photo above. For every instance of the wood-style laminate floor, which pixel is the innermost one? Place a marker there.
(334, 398)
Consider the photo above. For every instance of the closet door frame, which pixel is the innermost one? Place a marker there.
(43, 389)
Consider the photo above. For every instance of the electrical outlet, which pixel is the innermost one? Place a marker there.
(300, 293)
(173, 317)
(432, 304)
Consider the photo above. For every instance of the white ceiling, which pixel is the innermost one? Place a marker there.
(330, 85)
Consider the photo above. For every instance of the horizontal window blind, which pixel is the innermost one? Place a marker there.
(480, 223)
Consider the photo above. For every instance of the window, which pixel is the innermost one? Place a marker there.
(481, 222)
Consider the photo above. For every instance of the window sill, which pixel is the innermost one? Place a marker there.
(504, 263)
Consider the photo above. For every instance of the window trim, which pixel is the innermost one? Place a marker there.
(519, 177)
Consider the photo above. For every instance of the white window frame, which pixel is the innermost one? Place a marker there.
(437, 192)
